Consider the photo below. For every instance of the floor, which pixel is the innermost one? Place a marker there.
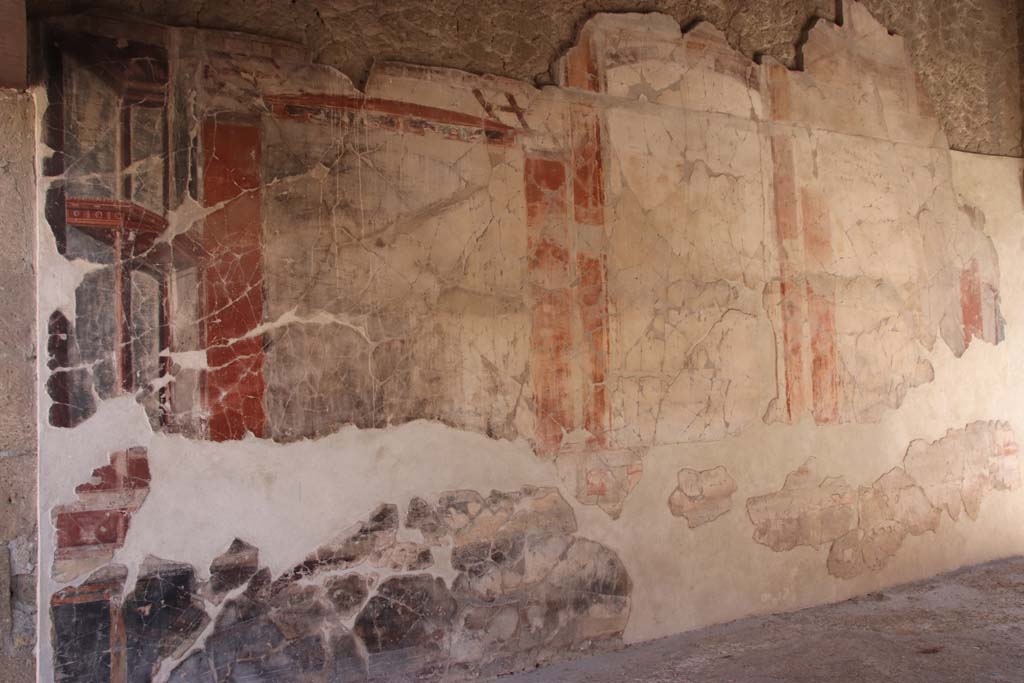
(967, 625)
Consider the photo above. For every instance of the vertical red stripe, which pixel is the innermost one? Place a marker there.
(592, 309)
(792, 302)
(821, 306)
(970, 302)
(581, 66)
(233, 280)
(824, 371)
(550, 277)
(591, 270)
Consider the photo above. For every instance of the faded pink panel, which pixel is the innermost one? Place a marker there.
(824, 368)
(817, 231)
(592, 310)
(792, 291)
(821, 308)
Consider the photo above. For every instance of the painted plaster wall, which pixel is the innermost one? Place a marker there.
(631, 305)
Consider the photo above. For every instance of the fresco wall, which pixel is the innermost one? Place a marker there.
(455, 376)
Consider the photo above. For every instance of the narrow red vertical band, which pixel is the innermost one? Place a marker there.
(821, 305)
(233, 280)
(591, 270)
(551, 339)
(824, 370)
(592, 308)
(970, 302)
(792, 294)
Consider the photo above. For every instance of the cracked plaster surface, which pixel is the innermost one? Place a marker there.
(670, 247)
(337, 257)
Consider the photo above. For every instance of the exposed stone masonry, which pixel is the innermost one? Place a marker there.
(363, 607)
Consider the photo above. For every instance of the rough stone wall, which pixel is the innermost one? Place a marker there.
(964, 50)
(17, 389)
(395, 383)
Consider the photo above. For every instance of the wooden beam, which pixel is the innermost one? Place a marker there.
(13, 45)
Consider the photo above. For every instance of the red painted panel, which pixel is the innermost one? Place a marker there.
(551, 339)
(592, 309)
(581, 67)
(127, 470)
(591, 270)
(91, 527)
(233, 279)
(970, 302)
(588, 170)
(545, 192)
(551, 342)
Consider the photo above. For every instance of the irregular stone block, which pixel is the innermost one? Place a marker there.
(426, 518)
(351, 548)
(527, 589)
(162, 616)
(405, 622)
(347, 592)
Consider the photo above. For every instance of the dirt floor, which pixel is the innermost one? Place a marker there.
(967, 625)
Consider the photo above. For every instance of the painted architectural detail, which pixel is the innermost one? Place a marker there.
(90, 530)
(526, 588)
(702, 497)
(867, 526)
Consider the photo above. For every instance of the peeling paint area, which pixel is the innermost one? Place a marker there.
(362, 607)
(702, 497)
(867, 525)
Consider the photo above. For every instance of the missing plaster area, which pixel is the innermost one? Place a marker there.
(865, 526)
(366, 606)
